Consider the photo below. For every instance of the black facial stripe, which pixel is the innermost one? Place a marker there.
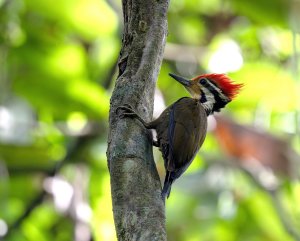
(211, 88)
(206, 82)
(212, 82)
(203, 97)
(219, 102)
(215, 94)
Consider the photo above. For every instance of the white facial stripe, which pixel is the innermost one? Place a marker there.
(214, 98)
(221, 94)
(210, 99)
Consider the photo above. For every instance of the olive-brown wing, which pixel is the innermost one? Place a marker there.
(187, 131)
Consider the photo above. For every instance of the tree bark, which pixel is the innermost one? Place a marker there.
(138, 208)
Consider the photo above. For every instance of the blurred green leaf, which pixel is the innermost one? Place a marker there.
(60, 59)
(274, 12)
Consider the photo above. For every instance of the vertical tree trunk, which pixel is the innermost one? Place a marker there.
(139, 211)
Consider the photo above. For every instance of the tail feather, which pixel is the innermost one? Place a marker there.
(167, 186)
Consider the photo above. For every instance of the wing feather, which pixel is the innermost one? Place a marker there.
(186, 133)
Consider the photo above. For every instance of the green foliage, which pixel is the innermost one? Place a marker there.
(57, 68)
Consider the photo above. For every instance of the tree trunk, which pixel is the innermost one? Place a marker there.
(138, 208)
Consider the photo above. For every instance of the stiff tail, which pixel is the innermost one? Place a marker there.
(167, 186)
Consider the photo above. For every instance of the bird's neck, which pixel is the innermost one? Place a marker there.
(208, 107)
(212, 102)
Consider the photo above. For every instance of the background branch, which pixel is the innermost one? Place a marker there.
(73, 148)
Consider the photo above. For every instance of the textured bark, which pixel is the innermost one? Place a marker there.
(138, 208)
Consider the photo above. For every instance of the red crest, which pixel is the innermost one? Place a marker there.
(228, 87)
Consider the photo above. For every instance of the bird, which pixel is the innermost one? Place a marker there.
(181, 128)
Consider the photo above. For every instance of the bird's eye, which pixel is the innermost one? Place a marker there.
(202, 81)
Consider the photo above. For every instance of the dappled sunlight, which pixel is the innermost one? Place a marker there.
(227, 58)
(3, 228)
(67, 61)
(93, 18)
(76, 121)
(268, 85)
(58, 67)
(62, 192)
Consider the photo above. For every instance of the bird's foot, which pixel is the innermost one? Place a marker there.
(125, 111)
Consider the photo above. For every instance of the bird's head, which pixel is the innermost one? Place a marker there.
(214, 91)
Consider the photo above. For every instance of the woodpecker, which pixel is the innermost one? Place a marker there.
(181, 128)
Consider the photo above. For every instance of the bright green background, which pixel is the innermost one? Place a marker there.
(57, 71)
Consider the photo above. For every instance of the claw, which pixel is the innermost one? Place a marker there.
(126, 109)
(128, 106)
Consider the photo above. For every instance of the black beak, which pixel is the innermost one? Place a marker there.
(181, 80)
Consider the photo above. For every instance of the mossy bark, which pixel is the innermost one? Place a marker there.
(138, 208)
